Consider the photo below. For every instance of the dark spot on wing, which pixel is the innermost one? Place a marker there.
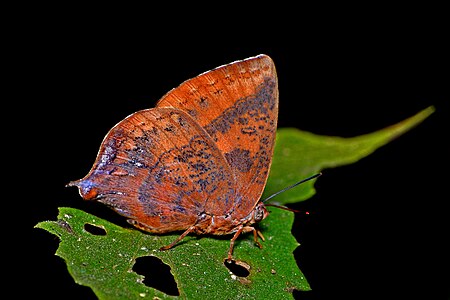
(254, 106)
(239, 159)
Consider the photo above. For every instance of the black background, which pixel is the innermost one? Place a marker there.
(376, 228)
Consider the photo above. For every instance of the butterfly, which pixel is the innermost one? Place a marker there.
(199, 160)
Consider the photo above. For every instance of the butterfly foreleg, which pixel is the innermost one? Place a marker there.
(257, 233)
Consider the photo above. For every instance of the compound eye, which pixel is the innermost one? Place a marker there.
(259, 213)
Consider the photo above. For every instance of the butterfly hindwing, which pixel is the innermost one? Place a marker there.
(158, 166)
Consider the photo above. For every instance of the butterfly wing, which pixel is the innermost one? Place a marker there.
(158, 167)
(237, 105)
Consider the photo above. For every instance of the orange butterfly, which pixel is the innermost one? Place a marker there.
(198, 162)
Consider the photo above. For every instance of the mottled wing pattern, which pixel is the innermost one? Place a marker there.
(160, 167)
(237, 105)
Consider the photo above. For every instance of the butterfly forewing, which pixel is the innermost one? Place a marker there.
(237, 105)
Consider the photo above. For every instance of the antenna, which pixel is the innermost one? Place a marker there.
(290, 187)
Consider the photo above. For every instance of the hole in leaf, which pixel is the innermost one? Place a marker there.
(238, 268)
(156, 274)
(95, 230)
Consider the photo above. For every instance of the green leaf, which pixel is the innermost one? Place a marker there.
(299, 154)
(105, 262)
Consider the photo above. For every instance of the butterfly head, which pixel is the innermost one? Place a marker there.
(259, 213)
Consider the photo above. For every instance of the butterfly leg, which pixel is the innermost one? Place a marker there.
(190, 229)
(261, 235)
(240, 230)
(230, 252)
(257, 233)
